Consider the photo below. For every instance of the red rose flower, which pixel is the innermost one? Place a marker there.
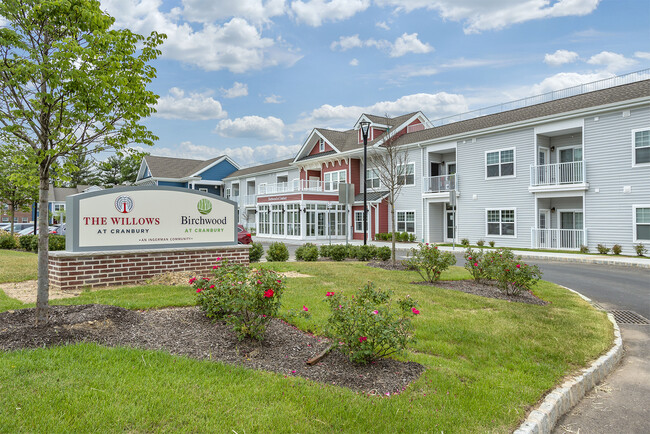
(268, 293)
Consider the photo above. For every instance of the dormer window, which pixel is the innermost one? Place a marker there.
(321, 145)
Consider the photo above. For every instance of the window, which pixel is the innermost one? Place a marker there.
(59, 207)
(293, 219)
(235, 190)
(310, 220)
(321, 145)
(263, 226)
(358, 221)
(277, 219)
(373, 178)
(204, 190)
(500, 163)
(341, 219)
(15, 219)
(406, 221)
(641, 141)
(227, 193)
(406, 175)
(642, 223)
(25, 219)
(5, 219)
(332, 179)
(501, 222)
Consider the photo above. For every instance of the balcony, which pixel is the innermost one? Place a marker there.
(245, 201)
(298, 185)
(439, 184)
(558, 239)
(558, 176)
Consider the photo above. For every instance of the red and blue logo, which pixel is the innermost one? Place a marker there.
(124, 204)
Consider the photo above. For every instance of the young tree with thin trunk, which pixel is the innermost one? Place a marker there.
(70, 83)
(13, 191)
(390, 165)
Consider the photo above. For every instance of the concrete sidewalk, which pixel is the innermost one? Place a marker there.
(404, 248)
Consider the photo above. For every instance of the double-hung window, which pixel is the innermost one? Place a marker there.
(406, 221)
(358, 221)
(373, 178)
(501, 222)
(321, 145)
(641, 141)
(500, 163)
(406, 174)
(642, 223)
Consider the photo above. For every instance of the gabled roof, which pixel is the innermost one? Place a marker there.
(385, 120)
(176, 168)
(278, 165)
(59, 194)
(373, 196)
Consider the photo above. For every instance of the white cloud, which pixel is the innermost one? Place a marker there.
(433, 105)
(642, 55)
(273, 99)
(243, 155)
(407, 43)
(560, 57)
(315, 12)
(257, 11)
(480, 15)
(195, 106)
(235, 45)
(382, 25)
(237, 90)
(354, 62)
(270, 128)
(612, 61)
(562, 80)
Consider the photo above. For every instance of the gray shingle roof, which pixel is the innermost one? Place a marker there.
(373, 196)
(261, 168)
(58, 194)
(168, 167)
(586, 100)
(384, 120)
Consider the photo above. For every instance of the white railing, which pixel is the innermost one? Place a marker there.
(560, 239)
(249, 200)
(439, 184)
(557, 174)
(297, 185)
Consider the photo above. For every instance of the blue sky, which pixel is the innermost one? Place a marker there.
(251, 78)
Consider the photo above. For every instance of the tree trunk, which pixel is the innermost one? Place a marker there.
(12, 214)
(42, 296)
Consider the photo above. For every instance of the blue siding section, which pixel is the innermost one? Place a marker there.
(218, 172)
(172, 184)
(211, 188)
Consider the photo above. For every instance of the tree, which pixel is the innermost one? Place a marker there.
(13, 192)
(120, 169)
(391, 166)
(79, 169)
(70, 83)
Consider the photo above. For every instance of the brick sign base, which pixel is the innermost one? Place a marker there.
(75, 270)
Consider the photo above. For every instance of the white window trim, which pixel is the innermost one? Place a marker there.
(414, 175)
(514, 164)
(500, 222)
(634, 163)
(559, 212)
(369, 180)
(558, 151)
(321, 145)
(354, 226)
(338, 178)
(415, 219)
(635, 238)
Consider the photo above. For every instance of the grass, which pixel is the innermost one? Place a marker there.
(17, 266)
(487, 362)
(524, 249)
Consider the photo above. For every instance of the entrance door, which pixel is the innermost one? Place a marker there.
(450, 225)
(570, 173)
(571, 223)
(544, 224)
(435, 169)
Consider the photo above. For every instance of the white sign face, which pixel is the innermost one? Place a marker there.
(149, 217)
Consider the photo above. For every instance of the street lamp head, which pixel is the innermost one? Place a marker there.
(365, 126)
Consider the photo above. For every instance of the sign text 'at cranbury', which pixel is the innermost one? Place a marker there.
(149, 217)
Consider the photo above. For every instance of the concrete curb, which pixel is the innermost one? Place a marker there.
(542, 420)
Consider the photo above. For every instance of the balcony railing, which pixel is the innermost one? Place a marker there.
(298, 185)
(440, 184)
(560, 239)
(557, 174)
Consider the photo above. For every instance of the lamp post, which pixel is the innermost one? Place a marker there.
(365, 125)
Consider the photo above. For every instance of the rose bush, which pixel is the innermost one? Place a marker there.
(369, 325)
(429, 261)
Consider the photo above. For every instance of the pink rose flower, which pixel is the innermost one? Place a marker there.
(518, 266)
(363, 339)
(192, 280)
(211, 286)
(305, 309)
(476, 264)
(268, 293)
(199, 290)
(375, 312)
(329, 294)
(415, 311)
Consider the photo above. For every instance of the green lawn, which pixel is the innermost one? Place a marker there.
(17, 266)
(487, 362)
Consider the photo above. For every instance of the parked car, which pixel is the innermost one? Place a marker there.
(243, 236)
(30, 230)
(59, 229)
(17, 226)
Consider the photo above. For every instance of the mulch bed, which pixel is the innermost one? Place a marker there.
(487, 289)
(188, 332)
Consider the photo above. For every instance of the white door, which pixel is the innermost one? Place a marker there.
(449, 224)
(544, 224)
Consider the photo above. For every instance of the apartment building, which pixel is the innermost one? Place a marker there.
(556, 171)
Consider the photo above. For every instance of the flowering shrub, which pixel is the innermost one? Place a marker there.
(430, 262)
(369, 325)
(511, 274)
(246, 300)
(476, 265)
